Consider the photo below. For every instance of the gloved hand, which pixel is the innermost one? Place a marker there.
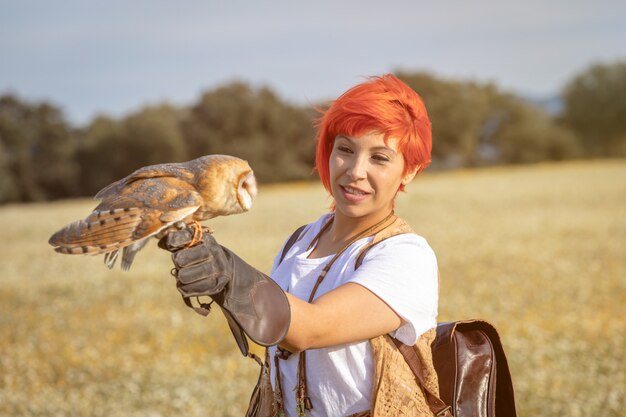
(203, 269)
(254, 305)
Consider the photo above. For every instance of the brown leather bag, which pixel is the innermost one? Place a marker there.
(473, 373)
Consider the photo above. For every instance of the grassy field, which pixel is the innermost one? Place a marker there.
(539, 251)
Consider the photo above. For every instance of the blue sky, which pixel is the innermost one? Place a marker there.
(114, 57)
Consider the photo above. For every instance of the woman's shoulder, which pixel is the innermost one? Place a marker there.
(399, 233)
(320, 222)
(311, 228)
(404, 248)
(410, 239)
(304, 234)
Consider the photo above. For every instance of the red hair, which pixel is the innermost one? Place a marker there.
(381, 104)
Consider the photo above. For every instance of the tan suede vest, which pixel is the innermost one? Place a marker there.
(395, 390)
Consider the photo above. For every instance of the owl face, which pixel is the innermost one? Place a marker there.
(228, 186)
(246, 190)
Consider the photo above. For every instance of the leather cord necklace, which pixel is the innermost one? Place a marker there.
(303, 402)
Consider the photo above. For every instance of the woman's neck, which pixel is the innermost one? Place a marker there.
(341, 231)
(345, 228)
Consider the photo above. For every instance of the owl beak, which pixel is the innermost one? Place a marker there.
(247, 190)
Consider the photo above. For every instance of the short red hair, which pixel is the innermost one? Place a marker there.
(381, 104)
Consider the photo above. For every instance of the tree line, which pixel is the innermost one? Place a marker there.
(43, 157)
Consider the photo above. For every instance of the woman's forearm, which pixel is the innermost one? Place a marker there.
(346, 314)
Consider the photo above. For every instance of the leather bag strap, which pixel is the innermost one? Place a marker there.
(290, 242)
(436, 405)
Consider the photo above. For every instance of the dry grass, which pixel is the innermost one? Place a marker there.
(538, 251)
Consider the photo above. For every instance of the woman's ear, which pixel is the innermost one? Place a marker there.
(408, 177)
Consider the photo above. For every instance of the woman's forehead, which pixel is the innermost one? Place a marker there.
(370, 140)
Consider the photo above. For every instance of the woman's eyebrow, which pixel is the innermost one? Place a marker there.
(375, 148)
(384, 148)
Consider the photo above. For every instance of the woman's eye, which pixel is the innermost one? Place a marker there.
(380, 158)
(343, 149)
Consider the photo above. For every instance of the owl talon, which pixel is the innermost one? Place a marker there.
(197, 234)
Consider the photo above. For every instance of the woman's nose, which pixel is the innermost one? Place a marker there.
(358, 168)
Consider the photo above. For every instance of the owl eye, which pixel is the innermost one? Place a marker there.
(247, 190)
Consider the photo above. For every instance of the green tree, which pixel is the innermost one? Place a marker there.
(475, 124)
(101, 154)
(254, 124)
(39, 151)
(111, 149)
(595, 108)
(524, 134)
(154, 136)
(9, 187)
(458, 112)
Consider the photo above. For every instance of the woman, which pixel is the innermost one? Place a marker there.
(372, 141)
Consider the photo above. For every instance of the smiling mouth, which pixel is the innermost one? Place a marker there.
(353, 194)
(353, 191)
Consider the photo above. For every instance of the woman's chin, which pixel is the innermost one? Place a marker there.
(355, 211)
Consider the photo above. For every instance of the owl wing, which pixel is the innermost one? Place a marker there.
(142, 208)
(173, 170)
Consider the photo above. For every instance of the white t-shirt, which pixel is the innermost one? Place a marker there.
(401, 270)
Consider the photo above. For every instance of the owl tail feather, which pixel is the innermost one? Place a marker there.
(130, 252)
(101, 232)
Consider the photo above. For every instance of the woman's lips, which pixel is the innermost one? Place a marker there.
(353, 194)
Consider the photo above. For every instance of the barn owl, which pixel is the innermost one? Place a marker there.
(154, 199)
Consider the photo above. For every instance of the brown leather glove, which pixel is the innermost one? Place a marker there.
(204, 269)
(254, 305)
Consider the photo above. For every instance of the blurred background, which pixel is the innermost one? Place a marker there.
(524, 203)
(90, 91)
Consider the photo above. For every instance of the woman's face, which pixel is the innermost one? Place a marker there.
(365, 175)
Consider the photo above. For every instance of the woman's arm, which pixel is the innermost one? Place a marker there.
(349, 313)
